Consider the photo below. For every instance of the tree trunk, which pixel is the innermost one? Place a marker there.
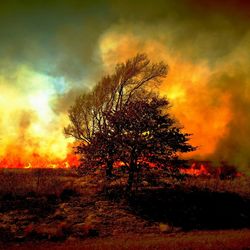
(138, 178)
(109, 168)
(130, 180)
(132, 169)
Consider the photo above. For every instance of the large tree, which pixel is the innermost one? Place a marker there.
(88, 115)
(122, 120)
(143, 134)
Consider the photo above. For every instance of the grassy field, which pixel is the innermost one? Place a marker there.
(55, 205)
(53, 181)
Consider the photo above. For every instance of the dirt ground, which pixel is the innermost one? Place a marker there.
(197, 240)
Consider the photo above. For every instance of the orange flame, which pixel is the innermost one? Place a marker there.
(35, 160)
(196, 169)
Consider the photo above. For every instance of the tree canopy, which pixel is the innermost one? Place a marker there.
(123, 120)
(112, 92)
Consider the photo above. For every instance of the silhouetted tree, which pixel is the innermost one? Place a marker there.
(88, 115)
(143, 134)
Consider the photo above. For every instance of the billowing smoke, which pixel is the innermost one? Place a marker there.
(29, 126)
(210, 100)
(45, 63)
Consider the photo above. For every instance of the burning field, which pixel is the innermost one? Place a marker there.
(125, 119)
(43, 70)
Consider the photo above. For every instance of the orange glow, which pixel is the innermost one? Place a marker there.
(21, 159)
(196, 170)
(202, 109)
(31, 131)
(39, 162)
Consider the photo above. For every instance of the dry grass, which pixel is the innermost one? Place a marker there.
(21, 182)
(176, 201)
(239, 185)
(53, 181)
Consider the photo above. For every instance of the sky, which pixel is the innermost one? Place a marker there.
(50, 51)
